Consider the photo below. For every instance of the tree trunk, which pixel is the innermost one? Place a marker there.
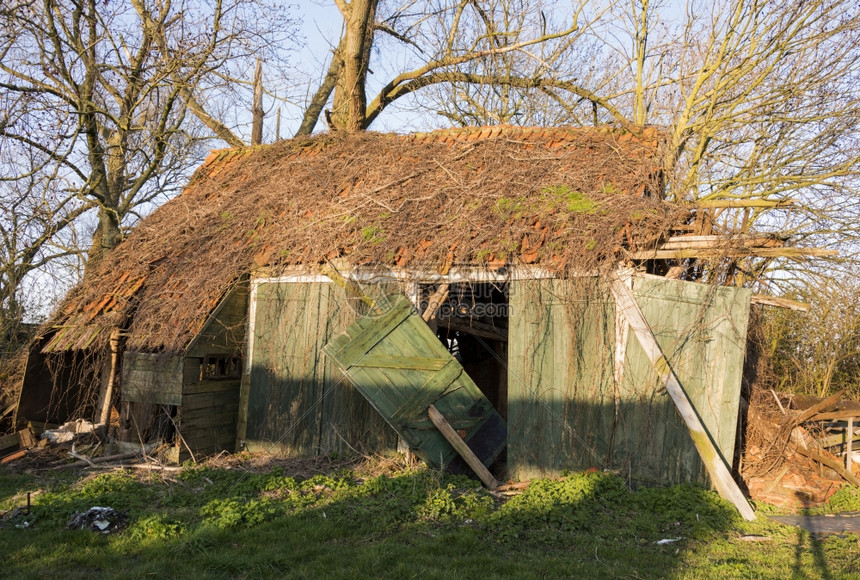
(350, 98)
(107, 236)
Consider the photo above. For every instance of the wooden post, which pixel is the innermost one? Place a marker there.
(711, 457)
(257, 108)
(460, 446)
(433, 303)
(849, 438)
(111, 368)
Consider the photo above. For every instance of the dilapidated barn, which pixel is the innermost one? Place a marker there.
(328, 294)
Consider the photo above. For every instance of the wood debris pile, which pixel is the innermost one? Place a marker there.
(800, 450)
(38, 447)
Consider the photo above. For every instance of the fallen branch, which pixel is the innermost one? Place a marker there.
(153, 467)
(106, 459)
(80, 457)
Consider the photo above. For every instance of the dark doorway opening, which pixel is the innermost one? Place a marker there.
(472, 322)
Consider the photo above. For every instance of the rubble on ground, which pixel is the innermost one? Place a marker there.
(795, 448)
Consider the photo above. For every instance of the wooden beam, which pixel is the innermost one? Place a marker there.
(765, 300)
(843, 415)
(732, 252)
(711, 457)
(813, 412)
(716, 241)
(742, 203)
(460, 446)
(435, 301)
(481, 329)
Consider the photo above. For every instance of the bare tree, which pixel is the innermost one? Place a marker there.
(94, 123)
(759, 98)
(113, 83)
(470, 34)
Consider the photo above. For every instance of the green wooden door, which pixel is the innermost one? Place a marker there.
(401, 367)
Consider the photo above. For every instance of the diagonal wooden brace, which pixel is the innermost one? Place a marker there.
(460, 446)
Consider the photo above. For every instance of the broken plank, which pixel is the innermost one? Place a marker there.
(460, 446)
(813, 411)
(435, 301)
(834, 415)
(402, 362)
(711, 457)
(779, 302)
(16, 455)
(21, 439)
(8, 410)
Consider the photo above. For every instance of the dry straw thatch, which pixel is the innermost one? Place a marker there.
(565, 199)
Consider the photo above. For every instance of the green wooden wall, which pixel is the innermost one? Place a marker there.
(210, 406)
(151, 378)
(297, 401)
(566, 409)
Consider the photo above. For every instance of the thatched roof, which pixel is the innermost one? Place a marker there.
(560, 198)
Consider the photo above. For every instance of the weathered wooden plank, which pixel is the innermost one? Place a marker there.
(402, 362)
(379, 329)
(189, 415)
(207, 441)
(297, 400)
(203, 400)
(431, 390)
(424, 424)
(224, 421)
(711, 456)
(349, 422)
(224, 331)
(150, 378)
(457, 443)
(192, 371)
(560, 379)
(779, 302)
(283, 388)
(211, 387)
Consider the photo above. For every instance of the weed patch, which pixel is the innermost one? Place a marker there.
(222, 522)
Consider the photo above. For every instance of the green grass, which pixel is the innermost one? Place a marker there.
(231, 523)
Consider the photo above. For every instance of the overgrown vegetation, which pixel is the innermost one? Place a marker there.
(369, 520)
(818, 352)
